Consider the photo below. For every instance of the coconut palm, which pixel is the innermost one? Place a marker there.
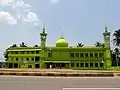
(23, 44)
(117, 52)
(98, 44)
(116, 43)
(116, 40)
(80, 45)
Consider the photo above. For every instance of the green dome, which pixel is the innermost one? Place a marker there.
(61, 43)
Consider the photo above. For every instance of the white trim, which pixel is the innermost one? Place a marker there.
(25, 50)
(91, 88)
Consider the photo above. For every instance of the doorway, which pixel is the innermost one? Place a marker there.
(15, 65)
(37, 66)
(10, 65)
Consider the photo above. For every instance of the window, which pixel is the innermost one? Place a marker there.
(16, 59)
(37, 52)
(27, 59)
(72, 64)
(77, 64)
(82, 64)
(81, 55)
(91, 54)
(22, 52)
(86, 54)
(91, 64)
(101, 64)
(101, 54)
(27, 52)
(72, 55)
(29, 66)
(86, 64)
(96, 64)
(49, 54)
(96, 54)
(32, 52)
(77, 55)
(37, 59)
(32, 59)
(16, 52)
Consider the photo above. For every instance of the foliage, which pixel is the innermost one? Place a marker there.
(23, 44)
(80, 45)
(116, 40)
(98, 44)
(14, 45)
(6, 55)
(36, 46)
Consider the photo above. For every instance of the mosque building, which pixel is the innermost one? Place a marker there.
(61, 56)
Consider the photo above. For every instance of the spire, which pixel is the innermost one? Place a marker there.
(105, 28)
(62, 35)
(43, 28)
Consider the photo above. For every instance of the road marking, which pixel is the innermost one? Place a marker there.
(54, 77)
(91, 88)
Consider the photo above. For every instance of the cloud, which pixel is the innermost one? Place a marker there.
(6, 18)
(31, 18)
(5, 1)
(54, 1)
(23, 12)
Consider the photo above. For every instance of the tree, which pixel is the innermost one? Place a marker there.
(6, 55)
(80, 45)
(14, 45)
(23, 44)
(98, 44)
(117, 58)
(36, 46)
(116, 44)
(113, 56)
(116, 40)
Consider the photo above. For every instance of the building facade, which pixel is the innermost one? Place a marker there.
(61, 56)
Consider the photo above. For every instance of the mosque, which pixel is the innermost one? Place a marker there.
(61, 56)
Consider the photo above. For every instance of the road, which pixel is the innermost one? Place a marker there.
(57, 83)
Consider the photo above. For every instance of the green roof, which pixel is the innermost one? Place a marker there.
(61, 43)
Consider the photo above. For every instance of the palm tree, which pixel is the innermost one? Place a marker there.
(35, 45)
(116, 52)
(23, 44)
(116, 40)
(98, 44)
(14, 45)
(6, 55)
(116, 43)
(80, 45)
(113, 56)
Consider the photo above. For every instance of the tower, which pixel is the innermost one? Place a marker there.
(106, 35)
(107, 55)
(43, 35)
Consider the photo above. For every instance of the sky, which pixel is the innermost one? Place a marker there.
(78, 20)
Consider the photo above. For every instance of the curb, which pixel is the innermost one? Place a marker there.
(58, 74)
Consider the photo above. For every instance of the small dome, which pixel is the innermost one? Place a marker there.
(61, 43)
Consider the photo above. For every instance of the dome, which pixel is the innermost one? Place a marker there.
(61, 43)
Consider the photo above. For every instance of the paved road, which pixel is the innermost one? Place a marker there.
(58, 83)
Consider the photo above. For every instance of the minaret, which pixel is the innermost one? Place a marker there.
(107, 53)
(43, 35)
(106, 35)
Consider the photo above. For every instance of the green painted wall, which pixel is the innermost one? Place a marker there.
(73, 57)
